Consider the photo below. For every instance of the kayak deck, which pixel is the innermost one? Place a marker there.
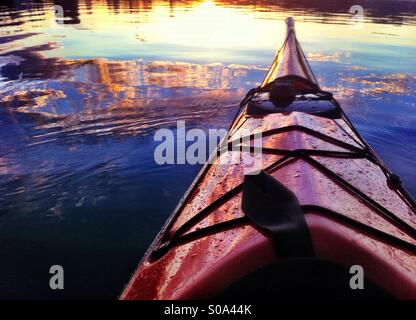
(290, 59)
(355, 211)
(203, 267)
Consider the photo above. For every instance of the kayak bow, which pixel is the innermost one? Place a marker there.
(322, 203)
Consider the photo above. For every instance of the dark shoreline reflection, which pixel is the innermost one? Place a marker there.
(377, 11)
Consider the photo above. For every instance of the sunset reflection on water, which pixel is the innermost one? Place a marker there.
(79, 104)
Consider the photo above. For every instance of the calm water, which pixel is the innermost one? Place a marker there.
(79, 104)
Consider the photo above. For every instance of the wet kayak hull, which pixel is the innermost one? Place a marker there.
(355, 212)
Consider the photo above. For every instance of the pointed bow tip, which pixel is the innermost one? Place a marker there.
(290, 22)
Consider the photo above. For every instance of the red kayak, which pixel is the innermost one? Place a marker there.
(322, 212)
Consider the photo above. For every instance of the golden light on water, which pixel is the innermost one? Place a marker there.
(127, 57)
(197, 29)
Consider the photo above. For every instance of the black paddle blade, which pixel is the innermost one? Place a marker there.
(275, 209)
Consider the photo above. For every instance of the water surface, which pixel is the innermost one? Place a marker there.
(80, 102)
